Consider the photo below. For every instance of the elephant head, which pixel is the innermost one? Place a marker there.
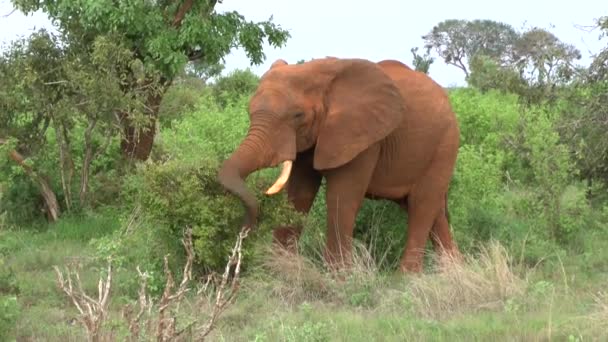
(339, 107)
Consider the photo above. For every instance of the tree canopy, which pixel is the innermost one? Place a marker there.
(536, 54)
(162, 37)
(458, 41)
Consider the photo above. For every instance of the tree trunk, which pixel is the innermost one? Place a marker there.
(86, 162)
(137, 143)
(66, 163)
(50, 200)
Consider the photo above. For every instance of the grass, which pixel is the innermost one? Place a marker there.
(489, 296)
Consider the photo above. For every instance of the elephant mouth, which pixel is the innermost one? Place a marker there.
(280, 182)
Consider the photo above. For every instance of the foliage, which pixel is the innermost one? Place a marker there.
(422, 63)
(183, 191)
(182, 97)
(163, 35)
(545, 58)
(494, 55)
(551, 167)
(28, 69)
(162, 38)
(487, 74)
(68, 113)
(457, 41)
(237, 83)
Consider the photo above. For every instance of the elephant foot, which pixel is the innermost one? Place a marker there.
(286, 237)
(411, 267)
(412, 262)
(338, 264)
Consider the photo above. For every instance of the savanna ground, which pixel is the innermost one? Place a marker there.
(528, 204)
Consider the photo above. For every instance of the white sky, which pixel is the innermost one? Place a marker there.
(379, 29)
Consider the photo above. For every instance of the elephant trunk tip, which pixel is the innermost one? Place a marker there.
(231, 179)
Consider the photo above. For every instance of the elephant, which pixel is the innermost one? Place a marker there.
(371, 130)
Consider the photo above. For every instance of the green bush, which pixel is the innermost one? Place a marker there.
(182, 194)
(183, 190)
(209, 132)
(234, 85)
(474, 197)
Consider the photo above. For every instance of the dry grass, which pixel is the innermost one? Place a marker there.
(483, 282)
(296, 278)
(599, 318)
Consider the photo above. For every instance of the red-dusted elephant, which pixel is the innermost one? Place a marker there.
(376, 130)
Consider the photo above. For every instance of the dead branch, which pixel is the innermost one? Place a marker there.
(165, 330)
(93, 312)
(165, 323)
(50, 200)
(224, 297)
(145, 304)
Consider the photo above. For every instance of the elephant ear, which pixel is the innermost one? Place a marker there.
(363, 106)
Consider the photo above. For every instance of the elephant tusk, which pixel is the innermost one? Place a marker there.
(282, 180)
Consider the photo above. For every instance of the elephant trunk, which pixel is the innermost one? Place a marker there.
(252, 154)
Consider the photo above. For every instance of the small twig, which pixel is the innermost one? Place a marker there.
(55, 82)
(11, 12)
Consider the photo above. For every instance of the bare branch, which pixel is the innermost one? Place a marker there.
(11, 12)
(224, 296)
(181, 12)
(93, 312)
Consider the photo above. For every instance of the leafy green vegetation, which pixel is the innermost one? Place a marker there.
(527, 202)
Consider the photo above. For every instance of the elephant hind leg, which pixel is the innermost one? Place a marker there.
(441, 237)
(422, 214)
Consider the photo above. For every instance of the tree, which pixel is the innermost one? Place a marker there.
(422, 63)
(487, 74)
(162, 36)
(27, 97)
(44, 84)
(586, 118)
(458, 41)
(544, 58)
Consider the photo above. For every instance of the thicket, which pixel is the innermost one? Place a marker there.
(517, 180)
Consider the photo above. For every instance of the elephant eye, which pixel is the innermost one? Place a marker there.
(299, 115)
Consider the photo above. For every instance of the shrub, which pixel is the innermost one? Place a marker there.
(178, 194)
(474, 202)
(184, 191)
(234, 85)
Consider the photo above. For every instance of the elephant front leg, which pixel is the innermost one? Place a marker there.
(346, 188)
(302, 188)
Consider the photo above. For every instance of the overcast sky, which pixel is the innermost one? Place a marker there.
(379, 29)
